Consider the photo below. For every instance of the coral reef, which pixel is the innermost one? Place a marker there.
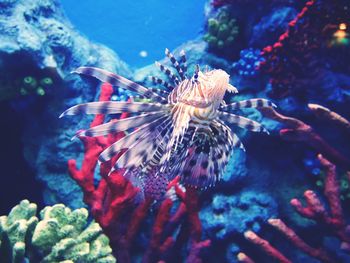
(293, 60)
(12, 88)
(58, 235)
(44, 35)
(305, 54)
(227, 216)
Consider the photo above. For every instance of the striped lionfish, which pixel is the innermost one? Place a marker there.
(183, 130)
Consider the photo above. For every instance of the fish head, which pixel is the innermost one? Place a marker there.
(214, 84)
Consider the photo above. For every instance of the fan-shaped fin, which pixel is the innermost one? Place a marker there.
(129, 139)
(142, 150)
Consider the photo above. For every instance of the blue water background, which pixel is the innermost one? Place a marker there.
(129, 27)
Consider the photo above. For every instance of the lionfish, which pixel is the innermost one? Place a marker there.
(182, 130)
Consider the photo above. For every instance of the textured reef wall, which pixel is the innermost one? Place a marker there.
(38, 41)
(293, 52)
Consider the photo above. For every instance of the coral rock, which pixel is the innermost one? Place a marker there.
(60, 235)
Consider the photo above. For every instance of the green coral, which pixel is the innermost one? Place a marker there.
(61, 235)
(222, 31)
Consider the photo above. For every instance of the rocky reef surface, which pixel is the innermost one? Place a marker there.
(37, 40)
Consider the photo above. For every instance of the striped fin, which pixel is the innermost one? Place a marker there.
(121, 125)
(173, 159)
(128, 140)
(175, 63)
(242, 122)
(161, 92)
(251, 103)
(159, 81)
(112, 107)
(116, 80)
(141, 151)
(138, 152)
(168, 72)
(183, 61)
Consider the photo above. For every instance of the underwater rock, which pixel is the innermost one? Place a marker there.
(38, 34)
(236, 170)
(227, 216)
(60, 234)
(40, 30)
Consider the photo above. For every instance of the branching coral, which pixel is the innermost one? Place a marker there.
(115, 204)
(59, 235)
(297, 130)
(332, 219)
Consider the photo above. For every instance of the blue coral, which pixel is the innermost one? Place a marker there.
(248, 63)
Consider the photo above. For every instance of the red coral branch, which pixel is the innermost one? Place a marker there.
(299, 131)
(314, 209)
